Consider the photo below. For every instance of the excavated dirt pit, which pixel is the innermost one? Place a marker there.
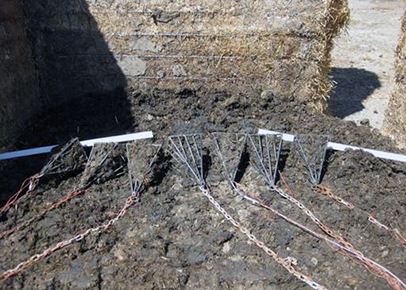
(174, 238)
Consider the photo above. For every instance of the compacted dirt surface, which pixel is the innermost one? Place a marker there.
(363, 59)
(174, 238)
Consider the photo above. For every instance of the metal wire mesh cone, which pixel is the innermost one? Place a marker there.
(230, 148)
(142, 156)
(69, 157)
(106, 161)
(312, 150)
(187, 152)
(265, 151)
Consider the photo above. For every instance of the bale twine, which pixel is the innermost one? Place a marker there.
(395, 115)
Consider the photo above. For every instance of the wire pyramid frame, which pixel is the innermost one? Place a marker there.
(99, 157)
(187, 151)
(59, 163)
(140, 170)
(70, 157)
(313, 151)
(266, 150)
(230, 148)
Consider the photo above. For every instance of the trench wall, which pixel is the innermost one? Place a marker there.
(19, 95)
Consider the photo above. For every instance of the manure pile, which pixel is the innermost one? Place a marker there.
(208, 204)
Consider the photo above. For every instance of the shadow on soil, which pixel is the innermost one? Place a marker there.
(352, 87)
(82, 88)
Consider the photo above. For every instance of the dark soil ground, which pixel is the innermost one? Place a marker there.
(174, 238)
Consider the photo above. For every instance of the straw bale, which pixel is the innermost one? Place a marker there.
(18, 79)
(243, 75)
(283, 17)
(235, 41)
(245, 45)
(266, 47)
(395, 116)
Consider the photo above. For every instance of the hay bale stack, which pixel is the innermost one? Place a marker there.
(243, 46)
(18, 80)
(238, 46)
(395, 116)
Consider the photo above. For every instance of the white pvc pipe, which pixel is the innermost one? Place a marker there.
(118, 139)
(86, 143)
(285, 137)
(342, 147)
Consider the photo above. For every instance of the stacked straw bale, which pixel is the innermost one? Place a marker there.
(395, 116)
(282, 46)
(18, 79)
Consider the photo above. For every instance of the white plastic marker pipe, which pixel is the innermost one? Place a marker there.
(86, 143)
(341, 147)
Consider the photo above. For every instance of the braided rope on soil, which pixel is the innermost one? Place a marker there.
(346, 248)
(324, 190)
(289, 196)
(29, 183)
(55, 205)
(286, 263)
(37, 257)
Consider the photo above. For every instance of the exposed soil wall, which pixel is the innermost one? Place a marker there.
(71, 55)
(19, 97)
